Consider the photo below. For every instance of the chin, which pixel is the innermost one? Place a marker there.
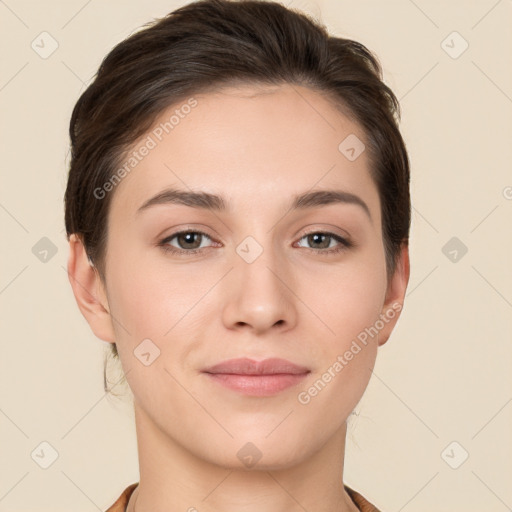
(256, 453)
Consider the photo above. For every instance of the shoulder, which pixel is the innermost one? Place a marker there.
(362, 503)
(122, 501)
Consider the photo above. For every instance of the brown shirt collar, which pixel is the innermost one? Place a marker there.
(120, 505)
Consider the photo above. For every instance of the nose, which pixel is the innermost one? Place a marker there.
(259, 296)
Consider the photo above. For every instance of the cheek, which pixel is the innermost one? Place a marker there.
(351, 303)
(348, 299)
(149, 306)
(149, 300)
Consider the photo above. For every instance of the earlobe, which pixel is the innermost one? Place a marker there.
(88, 291)
(395, 295)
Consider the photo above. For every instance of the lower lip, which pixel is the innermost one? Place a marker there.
(258, 385)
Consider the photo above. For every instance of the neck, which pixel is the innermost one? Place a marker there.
(173, 479)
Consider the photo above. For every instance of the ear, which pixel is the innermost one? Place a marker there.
(395, 295)
(89, 291)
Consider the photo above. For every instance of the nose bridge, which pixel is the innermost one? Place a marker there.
(257, 265)
(259, 262)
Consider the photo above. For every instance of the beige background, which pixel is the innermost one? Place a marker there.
(445, 374)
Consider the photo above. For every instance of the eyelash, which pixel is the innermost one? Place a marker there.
(345, 243)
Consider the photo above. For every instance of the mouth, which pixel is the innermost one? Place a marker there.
(257, 378)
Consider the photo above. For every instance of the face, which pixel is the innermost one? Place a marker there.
(192, 285)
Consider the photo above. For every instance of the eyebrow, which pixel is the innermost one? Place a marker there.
(208, 201)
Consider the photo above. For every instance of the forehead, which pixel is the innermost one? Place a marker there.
(248, 143)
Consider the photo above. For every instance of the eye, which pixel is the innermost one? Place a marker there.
(323, 240)
(189, 242)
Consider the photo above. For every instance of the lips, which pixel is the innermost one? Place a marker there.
(246, 366)
(257, 378)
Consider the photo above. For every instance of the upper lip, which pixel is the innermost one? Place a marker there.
(244, 366)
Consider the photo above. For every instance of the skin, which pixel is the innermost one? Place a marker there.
(257, 147)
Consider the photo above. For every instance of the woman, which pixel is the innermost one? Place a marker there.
(238, 215)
